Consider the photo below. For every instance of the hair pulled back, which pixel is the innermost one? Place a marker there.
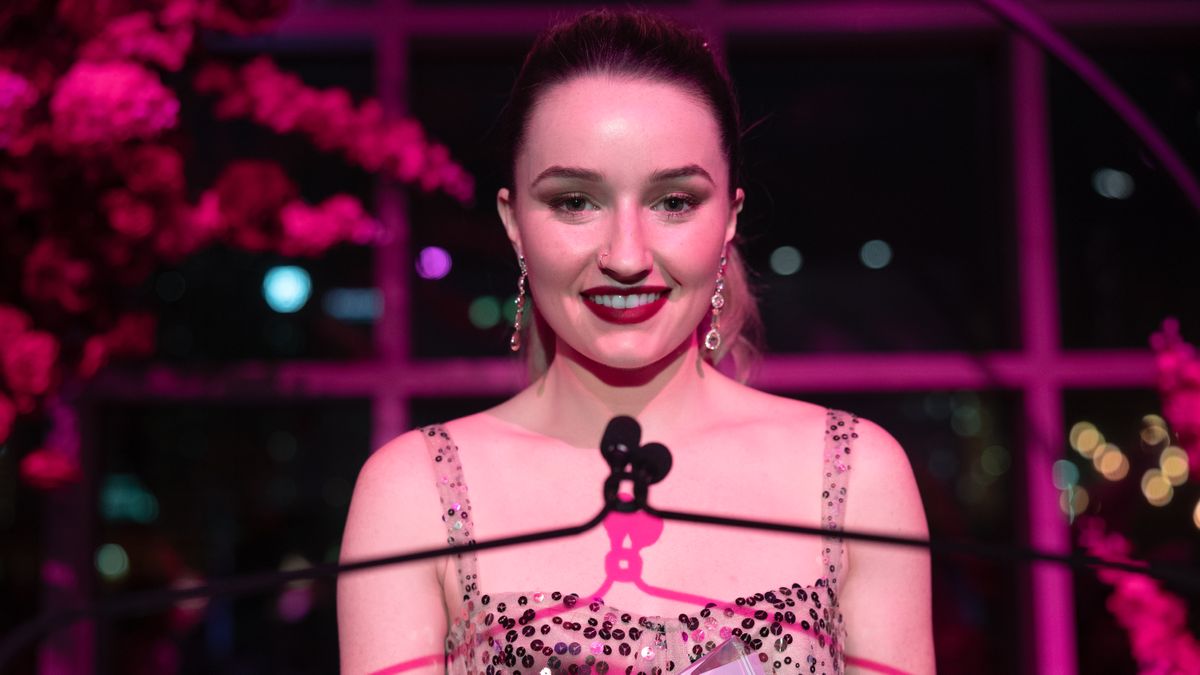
(640, 44)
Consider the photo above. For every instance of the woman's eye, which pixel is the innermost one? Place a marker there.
(570, 204)
(679, 204)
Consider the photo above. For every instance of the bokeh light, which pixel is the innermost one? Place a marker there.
(112, 562)
(1073, 501)
(286, 288)
(484, 312)
(995, 460)
(1112, 464)
(875, 254)
(353, 304)
(1101, 450)
(509, 309)
(1174, 465)
(433, 262)
(786, 261)
(1086, 438)
(1156, 488)
(1196, 514)
(1065, 474)
(1112, 184)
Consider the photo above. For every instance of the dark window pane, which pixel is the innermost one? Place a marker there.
(212, 490)
(438, 410)
(1161, 533)
(966, 456)
(873, 141)
(1127, 238)
(457, 89)
(213, 306)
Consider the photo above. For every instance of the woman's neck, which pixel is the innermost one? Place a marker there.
(576, 397)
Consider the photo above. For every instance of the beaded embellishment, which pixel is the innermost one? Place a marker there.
(791, 629)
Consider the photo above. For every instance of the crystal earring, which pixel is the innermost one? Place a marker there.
(713, 339)
(514, 342)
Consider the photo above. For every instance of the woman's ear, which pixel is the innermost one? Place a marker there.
(735, 207)
(506, 209)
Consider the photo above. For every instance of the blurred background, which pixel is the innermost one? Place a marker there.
(952, 236)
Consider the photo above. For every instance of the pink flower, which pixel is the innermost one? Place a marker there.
(17, 96)
(1179, 386)
(102, 104)
(309, 231)
(136, 36)
(8, 415)
(52, 276)
(251, 194)
(29, 363)
(153, 169)
(1155, 620)
(13, 322)
(94, 357)
(47, 469)
(128, 215)
(133, 336)
(283, 103)
(243, 16)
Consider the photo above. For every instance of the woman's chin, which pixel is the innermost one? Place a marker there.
(632, 356)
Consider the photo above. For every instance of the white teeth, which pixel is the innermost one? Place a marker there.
(625, 301)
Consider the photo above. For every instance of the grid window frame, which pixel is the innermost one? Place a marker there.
(1039, 371)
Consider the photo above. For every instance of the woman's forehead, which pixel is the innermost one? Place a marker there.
(620, 127)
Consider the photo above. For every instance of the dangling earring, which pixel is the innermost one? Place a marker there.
(713, 340)
(514, 343)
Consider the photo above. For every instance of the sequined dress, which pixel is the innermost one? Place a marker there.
(793, 628)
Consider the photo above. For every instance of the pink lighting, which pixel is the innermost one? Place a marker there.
(433, 263)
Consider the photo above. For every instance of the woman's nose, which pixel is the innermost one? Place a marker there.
(627, 257)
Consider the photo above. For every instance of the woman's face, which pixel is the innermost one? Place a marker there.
(622, 212)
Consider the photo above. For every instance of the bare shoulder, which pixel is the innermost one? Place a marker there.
(395, 613)
(764, 410)
(395, 501)
(882, 491)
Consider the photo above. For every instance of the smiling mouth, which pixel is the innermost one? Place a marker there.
(624, 301)
(625, 307)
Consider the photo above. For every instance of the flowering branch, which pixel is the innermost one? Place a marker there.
(1179, 385)
(93, 196)
(1155, 620)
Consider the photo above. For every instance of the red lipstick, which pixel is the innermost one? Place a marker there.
(625, 305)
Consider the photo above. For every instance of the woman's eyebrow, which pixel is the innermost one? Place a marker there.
(659, 176)
(557, 171)
(681, 172)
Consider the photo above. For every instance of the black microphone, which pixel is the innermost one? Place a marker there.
(621, 447)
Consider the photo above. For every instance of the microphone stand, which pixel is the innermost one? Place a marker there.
(643, 465)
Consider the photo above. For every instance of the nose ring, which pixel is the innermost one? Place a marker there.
(601, 257)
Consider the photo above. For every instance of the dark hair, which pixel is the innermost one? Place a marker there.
(637, 43)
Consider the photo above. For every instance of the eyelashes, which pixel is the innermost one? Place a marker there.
(559, 204)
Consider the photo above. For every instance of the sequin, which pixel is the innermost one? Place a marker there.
(589, 638)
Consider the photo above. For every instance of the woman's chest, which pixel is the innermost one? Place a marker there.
(635, 560)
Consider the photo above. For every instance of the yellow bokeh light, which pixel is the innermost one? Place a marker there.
(1102, 450)
(1078, 501)
(1153, 420)
(1154, 435)
(1156, 488)
(1076, 429)
(1174, 464)
(1113, 465)
(1086, 438)
(1196, 515)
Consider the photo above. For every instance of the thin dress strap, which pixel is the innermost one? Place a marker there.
(456, 507)
(839, 437)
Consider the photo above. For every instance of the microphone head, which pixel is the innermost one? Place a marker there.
(653, 462)
(622, 437)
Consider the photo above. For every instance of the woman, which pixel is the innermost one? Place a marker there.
(622, 210)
